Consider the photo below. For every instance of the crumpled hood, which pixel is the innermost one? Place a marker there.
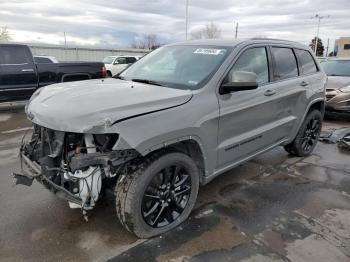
(336, 82)
(88, 106)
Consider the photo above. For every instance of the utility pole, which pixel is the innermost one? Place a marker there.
(327, 47)
(319, 18)
(65, 46)
(236, 33)
(65, 40)
(187, 19)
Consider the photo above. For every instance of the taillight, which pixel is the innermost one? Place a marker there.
(104, 72)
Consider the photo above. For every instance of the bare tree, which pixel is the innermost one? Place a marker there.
(149, 41)
(4, 34)
(138, 44)
(210, 31)
(197, 35)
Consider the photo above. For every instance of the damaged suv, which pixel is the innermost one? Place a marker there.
(171, 122)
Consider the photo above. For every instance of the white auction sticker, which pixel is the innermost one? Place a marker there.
(207, 51)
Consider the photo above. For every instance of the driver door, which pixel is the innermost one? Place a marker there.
(246, 124)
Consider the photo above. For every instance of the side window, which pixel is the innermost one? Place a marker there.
(252, 60)
(120, 60)
(285, 63)
(130, 60)
(307, 63)
(10, 55)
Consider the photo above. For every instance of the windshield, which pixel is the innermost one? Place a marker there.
(184, 67)
(337, 67)
(108, 60)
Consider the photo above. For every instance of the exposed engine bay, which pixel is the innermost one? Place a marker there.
(72, 165)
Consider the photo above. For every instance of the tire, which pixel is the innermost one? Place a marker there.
(138, 193)
(109, 74)
(308, 135)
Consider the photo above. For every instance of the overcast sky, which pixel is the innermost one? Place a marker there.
(120, 22)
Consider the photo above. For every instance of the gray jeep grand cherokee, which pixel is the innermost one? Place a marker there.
(172, 121)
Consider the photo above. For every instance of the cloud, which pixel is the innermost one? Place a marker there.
(118, 23)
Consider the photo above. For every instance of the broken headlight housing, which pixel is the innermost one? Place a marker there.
(345, 89)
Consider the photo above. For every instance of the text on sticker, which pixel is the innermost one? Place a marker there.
(206, 51)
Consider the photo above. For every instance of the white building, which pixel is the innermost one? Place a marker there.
(70, 53)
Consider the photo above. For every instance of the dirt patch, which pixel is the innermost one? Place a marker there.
(224, 236)
(274, 241)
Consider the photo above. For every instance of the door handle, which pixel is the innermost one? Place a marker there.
(304, 83)
(269, 92)
(28, 70)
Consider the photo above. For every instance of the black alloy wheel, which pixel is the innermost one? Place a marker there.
(311, 134)
(166, 197)
(308, 135)
(158, 193)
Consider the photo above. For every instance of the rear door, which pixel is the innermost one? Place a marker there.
(310, 74)
(291, 89)
(18, 73)
(249, 119)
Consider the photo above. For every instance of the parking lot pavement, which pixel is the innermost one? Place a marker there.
(273, 208)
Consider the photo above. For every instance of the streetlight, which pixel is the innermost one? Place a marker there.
(317, 16)
(186, 19)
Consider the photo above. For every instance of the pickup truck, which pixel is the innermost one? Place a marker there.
(20, 76)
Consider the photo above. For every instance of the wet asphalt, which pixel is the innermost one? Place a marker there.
(273, 208)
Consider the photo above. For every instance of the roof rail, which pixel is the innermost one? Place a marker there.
(266, 38)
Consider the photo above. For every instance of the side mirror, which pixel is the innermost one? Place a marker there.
(239, 81)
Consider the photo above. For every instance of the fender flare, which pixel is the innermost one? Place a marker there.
(314, 101)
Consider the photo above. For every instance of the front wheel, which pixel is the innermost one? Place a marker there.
(308, 135)
(158, 195)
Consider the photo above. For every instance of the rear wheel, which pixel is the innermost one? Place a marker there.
(158, 195)
(308, 135)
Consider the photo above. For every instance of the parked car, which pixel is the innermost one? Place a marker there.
(43, 59)
(338, 86)
(171, 122)
(20, 76)
(116, 64)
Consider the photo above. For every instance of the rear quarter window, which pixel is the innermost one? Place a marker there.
(42, 60)
(130, 60)
(285, 63)
(307, 63)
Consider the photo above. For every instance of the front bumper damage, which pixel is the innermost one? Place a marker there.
(31, 170)
(72, 166)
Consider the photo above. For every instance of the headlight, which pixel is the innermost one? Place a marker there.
(35, 94)
(345, 89)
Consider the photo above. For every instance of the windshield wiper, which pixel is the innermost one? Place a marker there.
(146, 81)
